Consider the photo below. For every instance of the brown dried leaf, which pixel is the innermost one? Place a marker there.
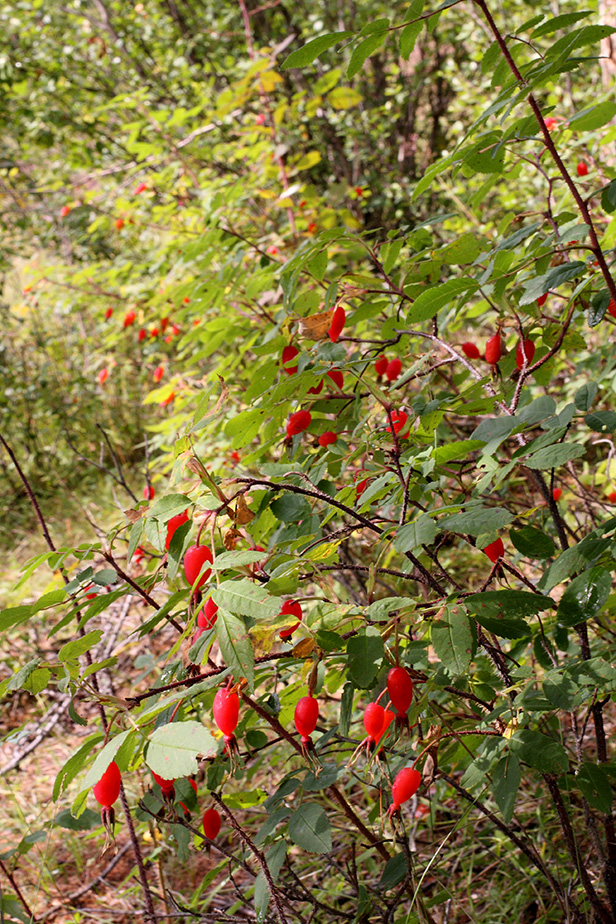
(133, 516)
(316, 326)
(230, 539)
(196, 467)
(304, 648)
(243, 514)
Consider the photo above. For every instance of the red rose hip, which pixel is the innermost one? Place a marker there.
(194, 559)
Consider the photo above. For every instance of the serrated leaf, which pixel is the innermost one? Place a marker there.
(173, 749)
(363, 51)
(414, 535)
(532, 542)
(601, 421)
(539, 751)
(584, 596)
(477, 521)
(73, 650)
(593, 117)
(517, 603)
(396, 869)
(465, 249)
(309, 828)
(453, 639)
(595, 785)
(536, 287)
(506, 778)
(104, 759)
(585, 395)
(313, 49)
(365, 654)
(244, 598)
(235, 646)
(555, 456)
(432, 300)
(408, 37)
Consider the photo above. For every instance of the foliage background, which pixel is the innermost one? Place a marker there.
(162, 161)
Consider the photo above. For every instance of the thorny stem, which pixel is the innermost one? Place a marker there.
(579, 200)
(260, 857)
(337, 795)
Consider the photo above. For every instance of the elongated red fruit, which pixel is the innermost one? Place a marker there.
(289, 353)
(226, 712)
(405, 785)
(529, 350)
(327, 438)
(194, 559)
(557, 494)
(394, 368)
(306, 715)
(388, 717)
(338, 321)
(471, 350)
(166, 785)
(211, 823)
(374, 717)
(582, 169)
(290, 608)
(337, 377)
(495, 550)
(399, 419)
(494, 349)
(207, 615)
(400, 689)
(542, 299)
(298, 422)
(611, 308)
(107, 790)
(381, 365)
(173, 524)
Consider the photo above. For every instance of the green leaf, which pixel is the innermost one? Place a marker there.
(396, 869)
(246, 599)
(104, 759)
(73, 650)
(346, 709)
(433, 299)
(539, 751)
(453, 639)
(73, 765)
(173, 749)
(309, 828)
(561, 690)
(477, 521)
(584, 596)
(536, 287)
(235, 559)
(169, 506)
(599, 304)
(408, 37)
(601, 421)
(506, 778)
(595, 785)
(458, 450)
(588, 120)
(235, 646)
(414, 535)
(555, 456)
(86, 821)
(516, 603)
(365, 654)
(243, 428)
(465, 249)
(313, 49)
(585, 395)
(559, 22)
(487, 155)
(532, 542)
(363, 51)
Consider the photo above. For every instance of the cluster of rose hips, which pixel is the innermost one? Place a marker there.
(524, 353)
